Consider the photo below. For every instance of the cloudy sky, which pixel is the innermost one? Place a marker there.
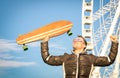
(22, 16)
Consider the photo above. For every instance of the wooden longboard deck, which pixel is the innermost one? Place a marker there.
(51, 30)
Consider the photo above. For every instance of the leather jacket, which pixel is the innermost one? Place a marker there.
(78, 66)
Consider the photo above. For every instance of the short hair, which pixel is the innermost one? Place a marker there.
(84, 40)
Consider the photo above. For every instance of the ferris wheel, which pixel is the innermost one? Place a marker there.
(107, 19)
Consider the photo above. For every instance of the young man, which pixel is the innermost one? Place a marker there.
(79, 63)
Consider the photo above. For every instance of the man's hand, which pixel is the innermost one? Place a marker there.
(46, 39)
(113, 38)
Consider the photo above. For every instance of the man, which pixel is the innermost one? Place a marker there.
(79, 63)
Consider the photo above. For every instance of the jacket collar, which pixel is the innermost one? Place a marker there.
(81, 53)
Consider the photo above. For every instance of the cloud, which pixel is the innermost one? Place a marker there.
(57, 46)
(8, 63)
(7, 60)
(8, 45)
(6, 56)
(34, 44)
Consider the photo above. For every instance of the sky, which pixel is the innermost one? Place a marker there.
(22, 16)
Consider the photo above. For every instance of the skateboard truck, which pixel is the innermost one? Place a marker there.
(25, 48)
(69, 33)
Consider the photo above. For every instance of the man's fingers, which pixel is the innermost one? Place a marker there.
(113, 38)
(46, 39)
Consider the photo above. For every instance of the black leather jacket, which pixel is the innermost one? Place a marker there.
(78, 66)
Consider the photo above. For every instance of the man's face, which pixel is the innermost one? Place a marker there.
(78, 43)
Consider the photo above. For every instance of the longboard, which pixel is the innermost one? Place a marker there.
(53, 29)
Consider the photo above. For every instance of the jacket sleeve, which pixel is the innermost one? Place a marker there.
(106, 61)
(47, 58)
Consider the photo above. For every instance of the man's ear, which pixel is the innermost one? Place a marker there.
(85, 47)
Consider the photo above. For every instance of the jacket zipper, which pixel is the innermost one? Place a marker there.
(77, 66)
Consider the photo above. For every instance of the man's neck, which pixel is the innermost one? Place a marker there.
(78, 51)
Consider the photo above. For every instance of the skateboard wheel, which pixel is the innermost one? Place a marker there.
(25, 48)
(69, 33)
